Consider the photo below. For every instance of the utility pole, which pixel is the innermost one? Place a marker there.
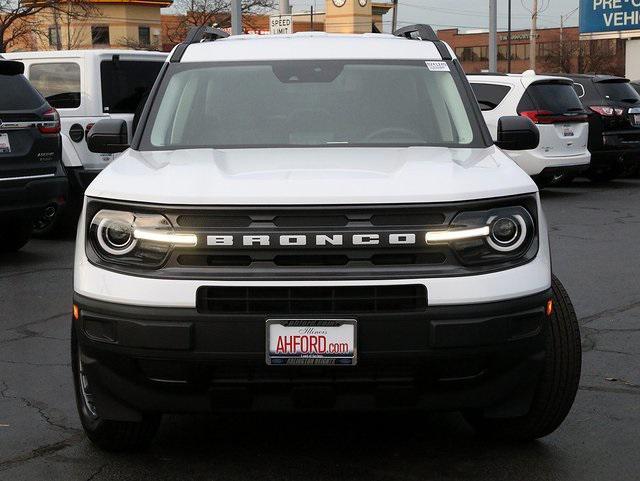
(532, 37)
(509, 40)
(285, 8)
(236, 17)
(394, 19)
(562, 42)
(493, 35)
(312, 26)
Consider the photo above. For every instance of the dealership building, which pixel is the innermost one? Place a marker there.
(557, 50)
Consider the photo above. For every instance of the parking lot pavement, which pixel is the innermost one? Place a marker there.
(595, 232)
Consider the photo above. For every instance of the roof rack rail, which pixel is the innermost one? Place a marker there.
(203, 33)
(424, 33)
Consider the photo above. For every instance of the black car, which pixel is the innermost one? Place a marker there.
(614, 123)
(636, 85)
(31, 174)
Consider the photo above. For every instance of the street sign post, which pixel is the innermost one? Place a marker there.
(281, 24)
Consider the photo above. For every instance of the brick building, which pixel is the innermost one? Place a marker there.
(557, 50)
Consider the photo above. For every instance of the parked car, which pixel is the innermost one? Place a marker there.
(614, 124)
(553, 106)
(85, 86)
(343, 233)
(31, 174)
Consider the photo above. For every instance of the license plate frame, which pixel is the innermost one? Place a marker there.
(335, 331)
(5, 144)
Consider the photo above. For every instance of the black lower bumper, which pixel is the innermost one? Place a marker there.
(614, 158)
(486, 356)
(549, 173)
(80, 178)
(24, 198)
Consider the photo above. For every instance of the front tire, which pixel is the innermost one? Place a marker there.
(558, 382)
(114, 436)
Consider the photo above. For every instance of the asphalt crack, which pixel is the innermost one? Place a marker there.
(41, 408)
(41, 451)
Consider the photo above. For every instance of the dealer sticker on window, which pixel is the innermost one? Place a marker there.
(437, 66)
(5, 146)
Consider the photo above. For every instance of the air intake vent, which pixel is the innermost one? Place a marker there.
(311, 300)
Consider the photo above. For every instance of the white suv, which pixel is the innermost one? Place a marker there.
(316, 221)
(85, 86)
(552, 104)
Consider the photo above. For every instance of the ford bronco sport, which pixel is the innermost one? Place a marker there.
(317, 221)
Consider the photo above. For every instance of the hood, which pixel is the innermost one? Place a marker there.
(312, 176)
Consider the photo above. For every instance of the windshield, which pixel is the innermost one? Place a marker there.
(618, 92)
(309, 103)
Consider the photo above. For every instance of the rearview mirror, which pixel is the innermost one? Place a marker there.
(11, 67)
(108, 136)
(517, 133)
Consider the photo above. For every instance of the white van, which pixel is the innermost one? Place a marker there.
(85, 86)
(553, 105)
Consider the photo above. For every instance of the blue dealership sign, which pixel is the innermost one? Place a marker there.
(609, 15)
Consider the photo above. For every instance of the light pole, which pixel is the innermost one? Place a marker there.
(493, 35)
(509, 39)
(533, 34)
(236, 17)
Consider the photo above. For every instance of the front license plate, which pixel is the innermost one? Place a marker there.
(5, 146)
(636, 119)
(568, 131)
(311, 342)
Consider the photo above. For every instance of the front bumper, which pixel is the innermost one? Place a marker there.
(482, 356)
(27, 197)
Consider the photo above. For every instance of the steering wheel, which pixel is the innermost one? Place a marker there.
(387, 132)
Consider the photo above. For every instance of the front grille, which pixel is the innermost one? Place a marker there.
(311, 300)
(226, 248)
(258, 262)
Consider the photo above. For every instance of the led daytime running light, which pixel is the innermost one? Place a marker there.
(444, 236)
(187, 240)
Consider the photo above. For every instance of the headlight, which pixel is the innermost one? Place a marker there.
(491, 236)
(130, 238)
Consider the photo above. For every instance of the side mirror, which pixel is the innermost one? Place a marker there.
(108, 136)
(517, 133)
(11, 67)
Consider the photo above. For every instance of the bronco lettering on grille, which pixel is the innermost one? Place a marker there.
(320, 240)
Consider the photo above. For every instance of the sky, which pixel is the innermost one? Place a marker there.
(469, 14)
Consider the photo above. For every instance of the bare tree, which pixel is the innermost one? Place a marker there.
(133, 44)
(21, 20)
(70, 14)
(194, 13)
(582, 56)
